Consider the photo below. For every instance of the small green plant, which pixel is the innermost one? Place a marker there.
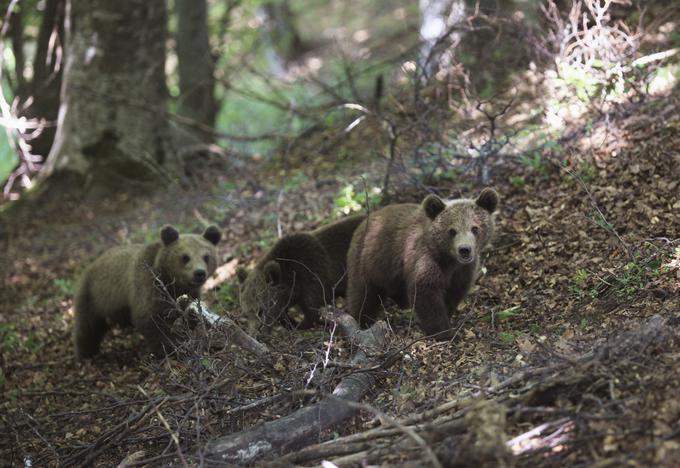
(266, 241)
(9, 338)
(578, 284)
(229, 186)
(518, 181)
(65, 286)
(295, 181)
(635, 277)
(408, 392)
(535, 328)
(601, 221)
(11, 341)
(535, 162)
(586, 172)
(506, 337)
(352, 199)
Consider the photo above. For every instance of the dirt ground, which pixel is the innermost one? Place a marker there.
(587, 247)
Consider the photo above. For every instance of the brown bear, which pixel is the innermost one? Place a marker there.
(422, 256)
(306, 269)
(137, 284)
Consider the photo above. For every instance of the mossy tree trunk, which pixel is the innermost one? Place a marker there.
(195, 65)
(113, 131)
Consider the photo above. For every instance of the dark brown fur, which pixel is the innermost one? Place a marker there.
(134, 285)
(422, 256)
(305, 269)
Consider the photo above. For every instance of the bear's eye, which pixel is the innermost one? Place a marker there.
(206, 259)
(452, 232)
(475, 230)
(185, 258)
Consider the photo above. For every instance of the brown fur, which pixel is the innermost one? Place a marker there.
(305, 269)
(125, 286)
(414, 254)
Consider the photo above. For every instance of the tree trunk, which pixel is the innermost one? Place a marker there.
(40, 97)
(196, 65)
(112, 128)
(16, 33)
(281, 38)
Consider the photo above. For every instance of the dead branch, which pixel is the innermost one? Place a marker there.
(307, 424)
(232, 330)
(114, 435)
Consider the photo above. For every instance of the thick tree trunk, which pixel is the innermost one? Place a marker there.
(196, 64)
(112, 127)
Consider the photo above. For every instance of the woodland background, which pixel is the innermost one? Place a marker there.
(272, 117)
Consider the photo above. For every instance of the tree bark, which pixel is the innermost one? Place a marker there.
(195, 65)
(112, 128)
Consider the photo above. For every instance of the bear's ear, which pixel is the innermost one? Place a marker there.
(272, 272)
(241, 274)
(213, 234)
(433, 205)
(169, 234)
(488, 200)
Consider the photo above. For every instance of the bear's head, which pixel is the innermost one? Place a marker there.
(263, 296)
(186, 261)
(460, 229)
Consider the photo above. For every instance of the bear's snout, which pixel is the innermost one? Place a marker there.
(200, 276)
(465, 253)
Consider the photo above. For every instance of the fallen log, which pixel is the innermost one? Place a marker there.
(307, 425)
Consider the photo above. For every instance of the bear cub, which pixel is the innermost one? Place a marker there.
(422, 256)
(304, 269)
(136, 285)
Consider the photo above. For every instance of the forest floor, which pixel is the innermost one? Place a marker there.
(583, 252)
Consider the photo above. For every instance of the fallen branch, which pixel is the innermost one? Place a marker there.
(233, 331)
(306, 425)
(436, 426)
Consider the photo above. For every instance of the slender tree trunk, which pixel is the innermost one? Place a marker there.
(40, 97)
(113, 130)
(196, 66)
(16, 30)
(282, 40)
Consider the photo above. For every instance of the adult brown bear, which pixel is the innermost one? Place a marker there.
(422, 256)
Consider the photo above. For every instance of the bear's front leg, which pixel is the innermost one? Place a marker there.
(363, 301)
(430, 307)
(155, 331)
